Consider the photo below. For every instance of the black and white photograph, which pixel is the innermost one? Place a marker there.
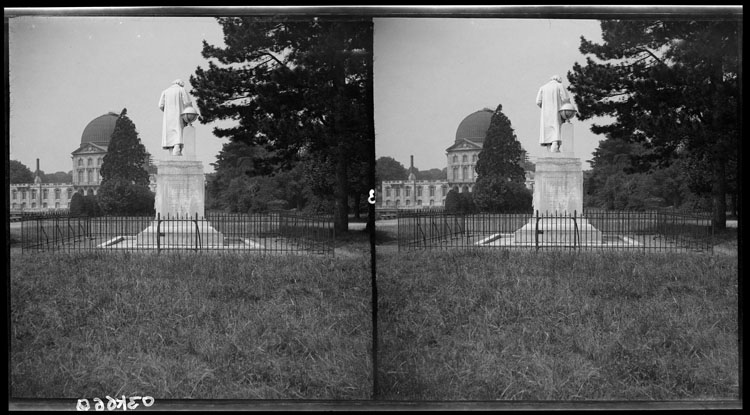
(373, 207)
(188, 206)
(562, 196)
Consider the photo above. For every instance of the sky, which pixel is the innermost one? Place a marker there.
(66, 71)
(429, 74)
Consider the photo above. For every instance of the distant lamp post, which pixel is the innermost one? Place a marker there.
(567, 111)
(189, 115)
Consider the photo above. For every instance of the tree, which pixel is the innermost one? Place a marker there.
(77, 206)
(388, 168)
(500, 185)
(58, 177)
(124, 187)
(433, 174)
(19, 173)
(671, 85)
(295, 86)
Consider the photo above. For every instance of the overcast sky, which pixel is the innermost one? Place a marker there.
(431, 73)
(66, 71)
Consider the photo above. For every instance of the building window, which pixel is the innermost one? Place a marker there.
(23, 194)
(45, 194)
(455, 174)
(33, 194)
(33, 205)
(432, 202)
(44, 205)
(91, 162)
(80, 176)
(398, 192)
(23, 205)
(407, 202)
(407, 191)
(465, 189)
(419, 191)
(387, 202)
(80, 162)
(419, 202)
(474, 158)
(455, 159)
(397, 202)
(70, 193)
(15, 195)
(57, 205)
(465, 173)
(14, 206)
(387, 192)
(432, 191)
(57, 194)
(464, 159)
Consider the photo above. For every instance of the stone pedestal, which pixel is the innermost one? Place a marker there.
(558, 185)
(558, 200)
(180, 202)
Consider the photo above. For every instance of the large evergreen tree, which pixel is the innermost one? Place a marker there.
(671, 85)
(500, 185)
(298, 86)
(388, 168)
(124, 187)
(19, 173)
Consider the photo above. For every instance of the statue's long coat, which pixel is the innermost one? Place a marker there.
(173, 101)
(550, 98)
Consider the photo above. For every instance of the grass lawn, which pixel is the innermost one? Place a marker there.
(189, 325)
(522, 325)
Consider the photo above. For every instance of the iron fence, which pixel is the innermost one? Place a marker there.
(591, 230)
(262, 232)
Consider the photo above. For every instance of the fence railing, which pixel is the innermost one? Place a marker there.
(266, 232)
(594, 229)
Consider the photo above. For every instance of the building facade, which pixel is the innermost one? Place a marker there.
(461, 162)
(86, 161)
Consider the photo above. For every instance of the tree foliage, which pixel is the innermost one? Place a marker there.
(671, 86)
(124, 187)
(299, 87)
(19, 173)
(456, 202)
(500, 185)
(122, 198)
(77, 206)
(126, 157)
(388, 168)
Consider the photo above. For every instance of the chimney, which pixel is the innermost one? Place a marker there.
(412, 162)
(37, 164)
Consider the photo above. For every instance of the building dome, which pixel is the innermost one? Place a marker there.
(99, 130)
(474, 126)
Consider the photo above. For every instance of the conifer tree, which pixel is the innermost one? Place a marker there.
(500, 175)
(296, 86)
(124, 187)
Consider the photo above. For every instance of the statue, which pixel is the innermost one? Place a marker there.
(550, 99)
(173, 102)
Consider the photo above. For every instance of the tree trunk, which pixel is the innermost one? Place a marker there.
(718, 193)
(341, 214)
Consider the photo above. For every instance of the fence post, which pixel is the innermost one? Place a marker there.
(536, 232)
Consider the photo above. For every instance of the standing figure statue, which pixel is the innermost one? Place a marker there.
(550, 99)
(173, 102)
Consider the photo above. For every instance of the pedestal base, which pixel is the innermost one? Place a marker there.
(180, 188)
(558, 231)
(180, 234)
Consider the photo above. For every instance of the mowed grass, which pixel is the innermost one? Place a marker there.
(524, 325)
(207, 325)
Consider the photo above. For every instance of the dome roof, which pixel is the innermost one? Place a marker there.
(99, 130)
(474, 126)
